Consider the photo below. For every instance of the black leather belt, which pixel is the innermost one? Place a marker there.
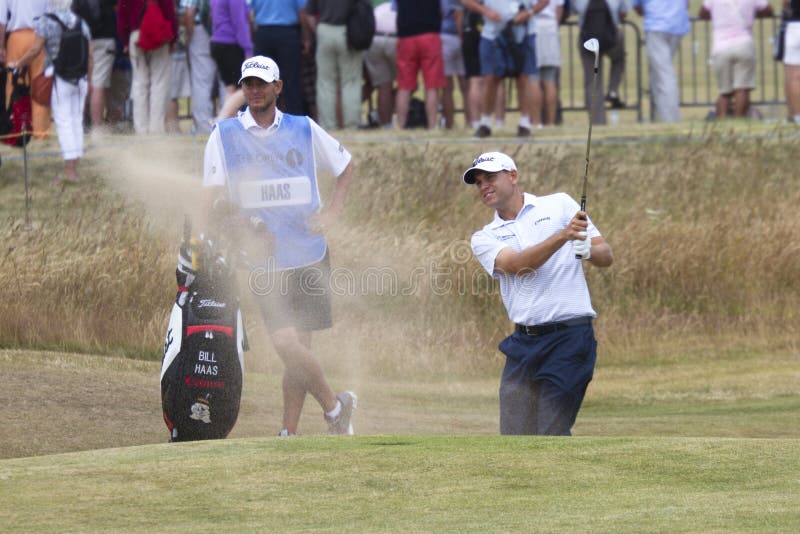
(542, 329)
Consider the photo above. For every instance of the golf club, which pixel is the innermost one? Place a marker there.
(592, 45)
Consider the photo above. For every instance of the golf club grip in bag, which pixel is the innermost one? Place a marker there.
(203, 366)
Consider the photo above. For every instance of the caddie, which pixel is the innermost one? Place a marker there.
(536, 247)
(266, 162)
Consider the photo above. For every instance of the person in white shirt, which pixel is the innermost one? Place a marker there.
(265, 163)
(534, 247)
(544, 25)
(734, 50)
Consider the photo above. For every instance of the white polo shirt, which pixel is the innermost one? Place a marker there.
(329, 155)
(557, 290)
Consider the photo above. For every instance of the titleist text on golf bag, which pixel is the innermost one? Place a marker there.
(203, 365)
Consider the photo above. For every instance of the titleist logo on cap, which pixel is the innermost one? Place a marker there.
(481, 159)
(255, 65)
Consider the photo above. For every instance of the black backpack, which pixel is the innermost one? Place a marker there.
(599, 24)
(72, 61)
(360, 25)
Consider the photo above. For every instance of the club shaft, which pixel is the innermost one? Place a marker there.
(589, 139)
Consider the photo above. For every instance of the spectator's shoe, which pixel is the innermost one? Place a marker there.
(614, 100)
(341, 423)
(285, 433)
(523, 131)
(483, 131)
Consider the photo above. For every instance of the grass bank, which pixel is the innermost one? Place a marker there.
(702, 223)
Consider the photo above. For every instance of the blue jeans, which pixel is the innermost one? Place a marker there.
(545, 379)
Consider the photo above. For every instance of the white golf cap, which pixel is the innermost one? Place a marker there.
(489, 162)
(260, 67)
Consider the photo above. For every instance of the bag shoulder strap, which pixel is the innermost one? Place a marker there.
(54, 17)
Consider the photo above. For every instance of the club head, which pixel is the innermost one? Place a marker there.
(593, 45)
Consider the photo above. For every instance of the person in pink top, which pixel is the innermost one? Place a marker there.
(733, 50)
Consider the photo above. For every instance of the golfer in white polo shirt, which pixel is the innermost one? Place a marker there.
(531, 247)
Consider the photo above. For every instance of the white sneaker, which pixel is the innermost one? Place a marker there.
(341, 424)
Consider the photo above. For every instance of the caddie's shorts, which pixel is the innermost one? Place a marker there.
(545, 379)
(298, 298)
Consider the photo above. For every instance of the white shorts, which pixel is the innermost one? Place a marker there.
(791, 54)
(181, 81)
(451, 55)
(381, 59)
(104, 52)
(735, 67)
(548, 48)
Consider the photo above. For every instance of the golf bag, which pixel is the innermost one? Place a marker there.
(17, 115)
(203, 365)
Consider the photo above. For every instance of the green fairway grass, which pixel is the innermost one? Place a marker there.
(411, 484)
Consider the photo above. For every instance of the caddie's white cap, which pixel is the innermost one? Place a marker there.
(489, 162)
(260, 67)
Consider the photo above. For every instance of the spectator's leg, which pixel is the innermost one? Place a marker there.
(203, 71)
(327, 76)
(741, 102)
(550, 98)
(351, 72)
(660, 48)
(160, 85)
(617, 69)
(792, 75)
(140, 86)
(599, 111)
(448, 104)
(401, 106)
(723, 105)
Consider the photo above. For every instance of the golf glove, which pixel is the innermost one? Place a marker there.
(184, 274)
(582, 247)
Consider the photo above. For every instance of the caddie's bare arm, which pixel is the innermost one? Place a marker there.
(331, 213)
(212, 197)
(510, 261)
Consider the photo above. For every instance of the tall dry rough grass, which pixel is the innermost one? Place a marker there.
(704, 233)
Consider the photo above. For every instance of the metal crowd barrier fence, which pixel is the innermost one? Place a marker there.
(694, 68)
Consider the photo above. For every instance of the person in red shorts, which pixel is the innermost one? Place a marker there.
(419, 49)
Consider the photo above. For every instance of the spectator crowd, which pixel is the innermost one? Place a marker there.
(432, 48)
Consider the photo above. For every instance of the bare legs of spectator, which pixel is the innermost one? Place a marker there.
(549, 91)
(534, 100)
(448, 100)
(431, 106)
(386, 103)
(97, 106)
(792, 76)
(472, 103)
(740, 101)
(172, 123)
(448, 103)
